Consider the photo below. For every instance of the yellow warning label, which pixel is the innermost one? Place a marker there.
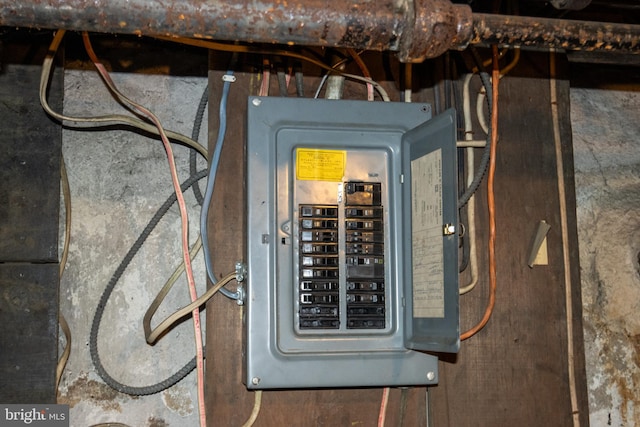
(320, 165)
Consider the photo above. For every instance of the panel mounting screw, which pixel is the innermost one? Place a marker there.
(255, 380)
(431, 375)
(256, 102)
(449, 229)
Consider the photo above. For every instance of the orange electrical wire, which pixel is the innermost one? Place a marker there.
(365, 71)
(495, 77)
(183, 215)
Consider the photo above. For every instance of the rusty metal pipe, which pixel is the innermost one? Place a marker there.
(360, 24)
(520, 31)
(416, 29)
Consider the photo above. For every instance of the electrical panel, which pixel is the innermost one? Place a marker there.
(351, 243)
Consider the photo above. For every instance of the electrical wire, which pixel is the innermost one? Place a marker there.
(408, 79)
(62, 362)
(100, 121)
(153, 307)
(179, 314)
(516, 58)
(45, 78)
(299, 80)
(211, 180)
(288, 75)
(322, 82)
(553, 89)
(470, 161)
(195, 134)
(256, 409)
(455, 88)
(183, 215)
(471, 205)
(326, 76)
(266, 77)
(481, 96)
(66, 196)
(484, 161)
(472, 143)
(283, 83)
(365, 72)
(383, 407)
(207, 44)
(489, 61)
(106, 294)
(480, 100)
(490, 201)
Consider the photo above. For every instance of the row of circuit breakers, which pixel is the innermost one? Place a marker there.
(352, 248)
(319, 270)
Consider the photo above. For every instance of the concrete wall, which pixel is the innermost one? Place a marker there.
(118, 180)
(606, 127)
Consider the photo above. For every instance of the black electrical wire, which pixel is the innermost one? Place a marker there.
(486, 154)
(282, 83)
(462, 214)
(446, 59)
(195, 133)
(457, 101)
(464, 245)
(106, 294)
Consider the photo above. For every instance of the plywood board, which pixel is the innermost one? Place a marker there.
(515, 371)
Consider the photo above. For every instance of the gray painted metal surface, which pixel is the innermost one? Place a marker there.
(279, 353)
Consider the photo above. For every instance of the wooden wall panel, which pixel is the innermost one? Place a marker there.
(29, 167)
(515, 371)
(29, 332)
(29, 209)
(228, 400)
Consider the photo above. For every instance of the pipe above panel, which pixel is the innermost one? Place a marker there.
(415, 29)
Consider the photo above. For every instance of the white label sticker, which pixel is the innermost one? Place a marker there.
(426, 237)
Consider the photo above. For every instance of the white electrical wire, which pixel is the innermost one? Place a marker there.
(98, 121)
(482, 121)
(472, 143)
(256, 409)
(564, 228)
(209, 44)
(471, 205)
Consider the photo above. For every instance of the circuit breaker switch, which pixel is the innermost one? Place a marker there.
(360, 193)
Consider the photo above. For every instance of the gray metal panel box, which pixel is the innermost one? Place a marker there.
(333, 188)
